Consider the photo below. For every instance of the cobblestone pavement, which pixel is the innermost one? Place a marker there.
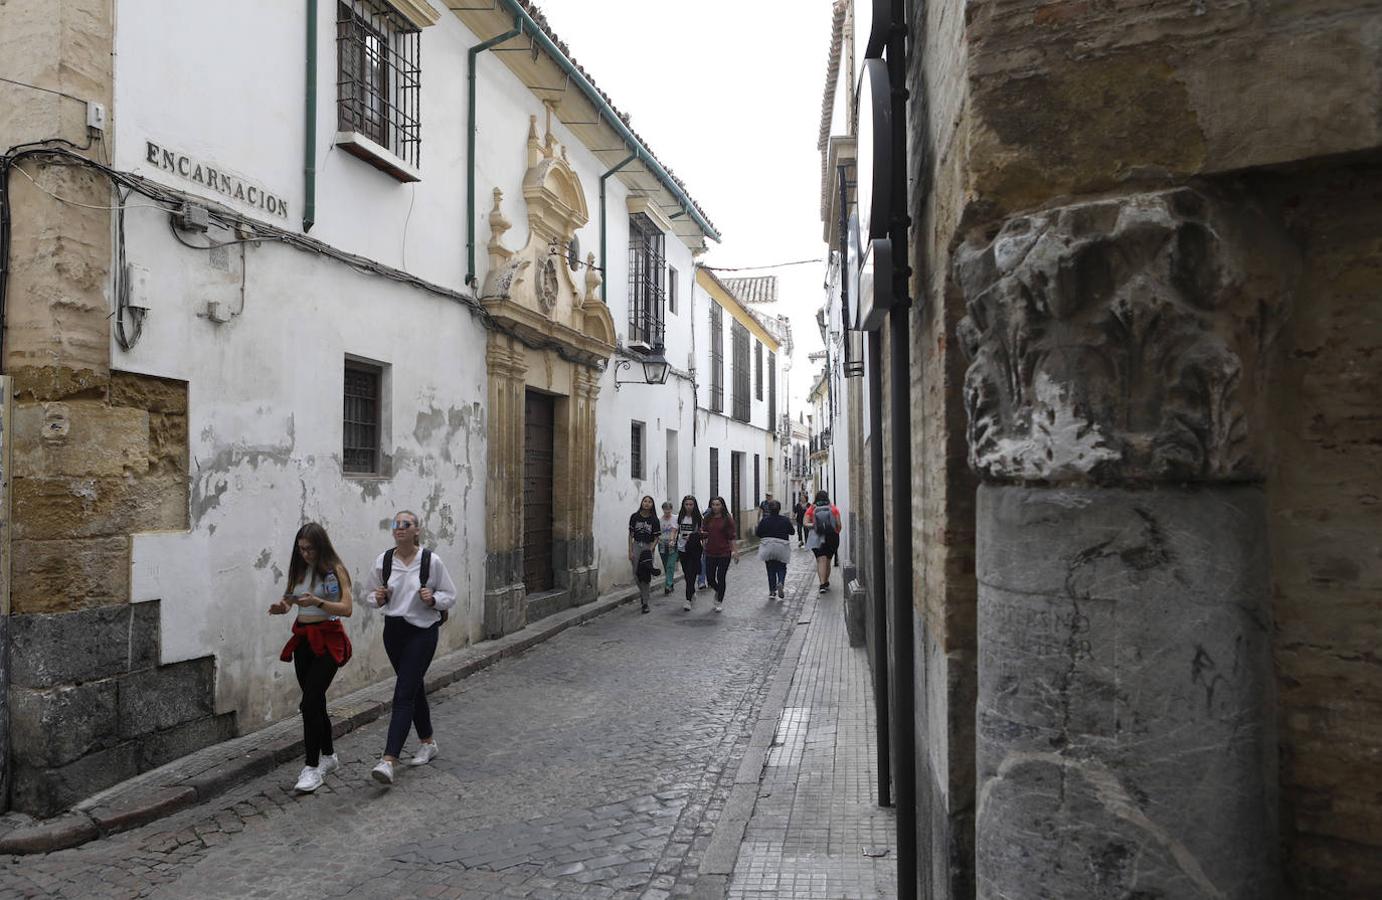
(595, 765)
(816, 830)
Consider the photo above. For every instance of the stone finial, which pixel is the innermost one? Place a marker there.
(1120, 340)
(498, 224)
(534, 142)
(592, 279)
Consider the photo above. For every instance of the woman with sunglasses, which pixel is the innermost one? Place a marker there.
(319, 586)
(413, 610)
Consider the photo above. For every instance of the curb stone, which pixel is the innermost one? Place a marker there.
(200, 776)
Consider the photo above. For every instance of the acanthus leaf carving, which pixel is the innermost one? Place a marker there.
(1119, 340)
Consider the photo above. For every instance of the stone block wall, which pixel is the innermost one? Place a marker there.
(1325, 519)
(1022, 106)
(96, 458)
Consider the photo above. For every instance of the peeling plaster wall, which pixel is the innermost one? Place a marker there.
(264, 417)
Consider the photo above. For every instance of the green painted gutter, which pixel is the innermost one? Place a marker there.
(604, 267)
(475, 51)
(607, 112)
(309, 149)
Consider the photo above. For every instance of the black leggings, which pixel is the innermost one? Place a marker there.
(801, 531)
(410, 650)
(717, 573)
(314, 677)
(690, 570)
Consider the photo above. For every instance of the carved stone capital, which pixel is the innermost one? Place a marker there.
(1122, 340)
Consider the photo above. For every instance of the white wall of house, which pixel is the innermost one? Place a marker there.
(265, 387)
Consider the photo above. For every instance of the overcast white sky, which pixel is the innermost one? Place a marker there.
(727, 93)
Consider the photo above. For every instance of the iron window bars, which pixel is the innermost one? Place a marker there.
(379, 76)
(647, 268)
(360, 444)
(636, 451)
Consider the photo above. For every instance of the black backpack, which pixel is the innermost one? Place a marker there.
(423, 574)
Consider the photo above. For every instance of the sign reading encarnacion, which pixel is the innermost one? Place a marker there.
(221, 182)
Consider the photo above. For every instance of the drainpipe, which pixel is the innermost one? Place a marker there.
(309, 149)
(601, 104)
(475, 51)
(604, 265)
(878, 577)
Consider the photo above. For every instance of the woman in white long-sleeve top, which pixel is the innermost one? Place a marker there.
(414, 602)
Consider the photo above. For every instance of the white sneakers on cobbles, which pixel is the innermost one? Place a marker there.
(313, 776)
(383, 773)
(425, 753)
(309, 780)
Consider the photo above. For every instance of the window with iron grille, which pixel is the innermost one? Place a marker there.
(757, 481)
(758, 371)
(714, 475)
(739, 371)
(647, 269)
(378, 76)
(360, 443)
(717, 358)
(772, 388)
(671, 290)
(636, 451)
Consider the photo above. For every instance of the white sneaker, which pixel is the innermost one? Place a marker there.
(329, 764)
(309, 780)
(383, 773)
(719, 606)
(686, 606)
(426, 752)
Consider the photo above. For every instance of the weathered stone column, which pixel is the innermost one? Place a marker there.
(1126, 743)
(585, 580)
(504, 592)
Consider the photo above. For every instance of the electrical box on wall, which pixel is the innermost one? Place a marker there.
(95, 115)
(218, 312)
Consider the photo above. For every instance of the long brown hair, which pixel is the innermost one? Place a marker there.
(327, 560)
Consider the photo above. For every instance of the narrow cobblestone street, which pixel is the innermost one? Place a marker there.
(595, 765)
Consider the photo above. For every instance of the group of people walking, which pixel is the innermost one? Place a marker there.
(410, 585)
(705, 542)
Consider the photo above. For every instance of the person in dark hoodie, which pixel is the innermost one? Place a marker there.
(775, 549)
(644, 530)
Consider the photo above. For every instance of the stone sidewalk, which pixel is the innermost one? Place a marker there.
(816, 830)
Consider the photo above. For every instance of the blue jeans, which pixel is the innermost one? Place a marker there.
(703, 580)
(410, 651)
(777, 575)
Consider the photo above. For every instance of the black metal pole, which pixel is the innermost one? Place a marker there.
(878, 571)
(900, 346)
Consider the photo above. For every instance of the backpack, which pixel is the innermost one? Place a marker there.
(423, 573)
(825, 524)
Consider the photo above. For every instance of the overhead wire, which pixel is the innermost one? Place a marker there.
(230, 220)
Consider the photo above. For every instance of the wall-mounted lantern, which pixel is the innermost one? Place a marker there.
(655, 369)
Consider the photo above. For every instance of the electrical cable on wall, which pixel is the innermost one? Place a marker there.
(171, 201)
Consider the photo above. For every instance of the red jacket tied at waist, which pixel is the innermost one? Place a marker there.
(323, 637)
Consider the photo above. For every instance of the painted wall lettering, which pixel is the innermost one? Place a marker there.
(184, 166)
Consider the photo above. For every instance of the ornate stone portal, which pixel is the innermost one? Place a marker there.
(554, 339)
(1125, 744)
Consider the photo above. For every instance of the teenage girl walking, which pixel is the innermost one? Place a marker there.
(718, 529)
(319, 586)
(689, 547)
(413, 607)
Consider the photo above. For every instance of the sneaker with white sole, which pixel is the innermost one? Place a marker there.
(686, 606)
(719, 606)
(329, 764)
(426, 752)
(309, 780)
(383, 773)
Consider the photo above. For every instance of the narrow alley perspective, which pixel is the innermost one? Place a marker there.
(729, 450)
